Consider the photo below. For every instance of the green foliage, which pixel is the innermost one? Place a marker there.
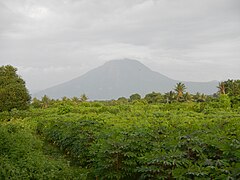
(64, 109)
(187, 97)
(122, 100)
(83, 98)
(224, 101)
(170, 97)
(75, 99)
(135, 97)
(73, 137)
(154, 97)
(13, 93)
(180, 89)
(143, 139)
(45, 101)
(21, 157)
(199, 97)
(231, 87)
(235, 101)
(36, 103)
(117, 150)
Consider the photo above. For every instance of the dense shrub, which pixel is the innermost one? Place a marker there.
(21, 156)
(134, 140)
(142, 141)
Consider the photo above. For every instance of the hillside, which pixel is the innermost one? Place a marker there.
(118, 78)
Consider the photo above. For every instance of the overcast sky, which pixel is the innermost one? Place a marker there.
(52, 41)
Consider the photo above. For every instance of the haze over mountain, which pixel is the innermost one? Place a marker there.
(119, 78)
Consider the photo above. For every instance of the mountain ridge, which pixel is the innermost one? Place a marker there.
(121, 77)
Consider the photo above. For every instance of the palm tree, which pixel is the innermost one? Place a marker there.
(221, 88)
(83, 98)
(197, 97)
(75, 99)
(169, 96)
(187, 97)
(180, 89)
(203, 97)
(45, 101)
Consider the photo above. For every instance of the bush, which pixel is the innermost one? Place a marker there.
(64, 109)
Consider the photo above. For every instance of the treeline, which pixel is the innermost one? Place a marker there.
(14, 94)
(231, 88)
(228, 91)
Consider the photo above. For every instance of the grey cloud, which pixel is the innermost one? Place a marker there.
(170, 36)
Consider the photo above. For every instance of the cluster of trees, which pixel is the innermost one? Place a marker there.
(178, 94)
(46, 101)
(231, 88)
(14, 94)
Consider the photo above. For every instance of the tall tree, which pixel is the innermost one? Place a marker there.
(83, 98)
(13, 92)
(180, 89)
(221, 88)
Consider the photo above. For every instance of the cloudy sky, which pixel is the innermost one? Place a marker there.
(52, 41)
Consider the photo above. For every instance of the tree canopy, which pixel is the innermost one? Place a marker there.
(135, 97)
(153, 97)
(180, 89)
(13, 92)
(231, 87)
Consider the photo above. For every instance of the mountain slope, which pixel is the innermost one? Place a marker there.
(118, 78)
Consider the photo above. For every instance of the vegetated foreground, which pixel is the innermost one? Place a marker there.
(121, 140)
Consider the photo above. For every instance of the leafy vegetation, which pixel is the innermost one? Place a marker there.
(175, 135)
(13, 93)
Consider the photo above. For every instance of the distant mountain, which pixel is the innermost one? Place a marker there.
(118, 78)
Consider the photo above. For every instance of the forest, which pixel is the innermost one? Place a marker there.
(174, 135)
